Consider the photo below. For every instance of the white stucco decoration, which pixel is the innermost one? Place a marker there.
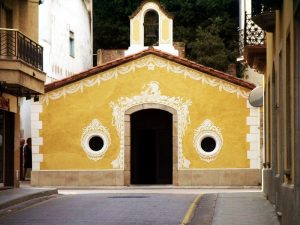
(151, 94)
(208, 129)
(95, 128)
(151, 62)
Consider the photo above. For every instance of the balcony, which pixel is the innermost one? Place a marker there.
(252, 46)
(21, 64)
(263, 12)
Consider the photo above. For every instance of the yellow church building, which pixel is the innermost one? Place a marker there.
(150, 117)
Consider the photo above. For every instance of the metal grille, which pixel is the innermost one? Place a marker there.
(251, 35)
(254, 35)
(15, 45)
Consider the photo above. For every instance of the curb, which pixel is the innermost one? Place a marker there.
(204, 213)
(27, 197)
(150, 187)
(188, 216)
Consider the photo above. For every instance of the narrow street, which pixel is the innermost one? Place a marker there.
(146, 206)
(104, 209)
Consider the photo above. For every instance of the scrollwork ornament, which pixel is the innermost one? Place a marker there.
(151, 62)
(151, 93)
(95, 128)
(208, 129)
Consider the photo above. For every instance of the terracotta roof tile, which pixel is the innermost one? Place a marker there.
(176, 59)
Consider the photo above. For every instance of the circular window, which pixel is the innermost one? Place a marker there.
(208, 144)
(96, 143)
(95, 140)
(208, 141)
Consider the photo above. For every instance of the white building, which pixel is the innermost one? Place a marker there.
(250, 75)
(66, 34)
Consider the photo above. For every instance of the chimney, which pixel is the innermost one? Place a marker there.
(231, 69)
(180, 46)
(107, 55)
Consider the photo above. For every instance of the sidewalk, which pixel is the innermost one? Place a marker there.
(234, 209)
(14, 196)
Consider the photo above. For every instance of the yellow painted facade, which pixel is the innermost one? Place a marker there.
(165, 31)
(282, 164)
(64, 118)
(20, 76)
(204, 103)
(136, 37)
(281, 21)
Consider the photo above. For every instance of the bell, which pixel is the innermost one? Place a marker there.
(150, 31)
(151, 28)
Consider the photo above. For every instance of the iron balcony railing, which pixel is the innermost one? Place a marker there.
(252, 34)
(261, 6)
(15, 45)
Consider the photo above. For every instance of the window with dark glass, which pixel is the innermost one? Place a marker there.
(72, 44)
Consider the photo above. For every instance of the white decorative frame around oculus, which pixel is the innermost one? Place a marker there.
(95, 128)
(208, 129)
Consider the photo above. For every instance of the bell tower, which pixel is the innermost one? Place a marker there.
(151, 26)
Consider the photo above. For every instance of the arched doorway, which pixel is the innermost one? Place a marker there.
(151, 158)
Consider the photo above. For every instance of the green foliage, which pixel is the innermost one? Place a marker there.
(209, 49)
(208, 27)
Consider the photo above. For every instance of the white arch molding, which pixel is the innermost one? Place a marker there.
(150, 97)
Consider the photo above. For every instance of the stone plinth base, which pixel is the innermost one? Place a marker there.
(212, 177)
(219, 177)
(77, 178)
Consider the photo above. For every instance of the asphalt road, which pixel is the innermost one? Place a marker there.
(105, 209)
